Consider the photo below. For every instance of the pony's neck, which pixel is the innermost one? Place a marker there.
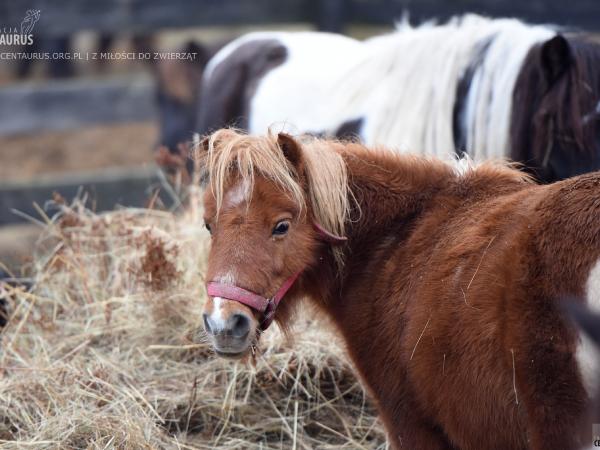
(388, 191)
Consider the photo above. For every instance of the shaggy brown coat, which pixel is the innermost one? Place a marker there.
(447, 297)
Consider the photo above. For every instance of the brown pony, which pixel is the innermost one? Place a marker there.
(444, 283)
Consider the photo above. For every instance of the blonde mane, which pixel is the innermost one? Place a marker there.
(231, 152)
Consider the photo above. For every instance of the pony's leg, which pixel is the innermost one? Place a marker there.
(554, 414)
(548, 385)
(408, 431)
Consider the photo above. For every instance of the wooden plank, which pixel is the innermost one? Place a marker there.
(63, 17)
(60, 105)
(584, 14)
(107, 188)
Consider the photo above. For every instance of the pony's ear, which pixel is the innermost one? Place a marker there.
(555, 57)
(292, 150)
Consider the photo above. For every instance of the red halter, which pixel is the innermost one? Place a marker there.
(266, 306)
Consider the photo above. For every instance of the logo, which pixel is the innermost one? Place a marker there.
(31, 18)
(12, 36)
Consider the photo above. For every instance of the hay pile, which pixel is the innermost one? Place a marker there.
(106, 351)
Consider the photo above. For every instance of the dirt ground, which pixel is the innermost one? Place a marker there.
(95, 147)
(29, 156)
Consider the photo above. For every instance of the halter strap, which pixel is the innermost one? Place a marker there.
(328, 236)
(266, 306)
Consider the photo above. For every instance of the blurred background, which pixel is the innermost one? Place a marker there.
(84, 107)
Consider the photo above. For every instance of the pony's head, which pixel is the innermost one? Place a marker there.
(268, 204)
(557, 118)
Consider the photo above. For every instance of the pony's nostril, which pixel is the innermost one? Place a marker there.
(237, 326)
(207, 326)
(240, 326)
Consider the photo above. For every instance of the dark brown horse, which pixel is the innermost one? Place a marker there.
(443, 283)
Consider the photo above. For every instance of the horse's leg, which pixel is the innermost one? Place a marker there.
(554, 411)
(407, 430)
(419, 437)
(547, 380)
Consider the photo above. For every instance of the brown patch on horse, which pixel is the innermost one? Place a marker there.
(447, 298)
(232, 83)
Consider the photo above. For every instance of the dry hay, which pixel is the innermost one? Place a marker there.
(106, 351)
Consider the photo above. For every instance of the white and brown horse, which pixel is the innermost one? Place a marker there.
(444, 284)
(490, 87)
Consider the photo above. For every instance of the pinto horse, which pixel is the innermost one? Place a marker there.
(444, 283)
(490, 87)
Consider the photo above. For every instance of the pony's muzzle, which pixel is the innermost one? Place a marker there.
(230, 329)
(237, 326)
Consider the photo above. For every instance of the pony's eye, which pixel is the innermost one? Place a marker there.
(281, 228)
(207, 226)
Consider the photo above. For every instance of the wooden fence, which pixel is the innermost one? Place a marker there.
(26, 108)
(64, 104)
(63, 17)
(20, 200)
